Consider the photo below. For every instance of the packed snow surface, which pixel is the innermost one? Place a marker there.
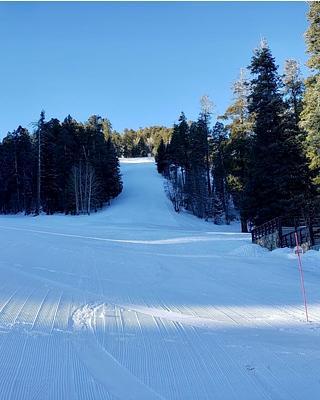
(139, 302)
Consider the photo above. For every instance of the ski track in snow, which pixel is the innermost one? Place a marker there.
(138, 302)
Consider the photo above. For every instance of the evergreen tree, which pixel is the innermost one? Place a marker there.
(293, 89)
(38, 135)
(112, 168)
(140, 149)
(206, 109)
(107, 128)
(267, 169)
(179, 144)
(73, 165)
(310, 116)
(237, 150)
(16, 166)
(298, 185)
(66, 150)
(221, 196)
(153, 135)
(197, 197)
(162, 158)
(50, 190)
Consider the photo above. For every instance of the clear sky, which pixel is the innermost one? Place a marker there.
(138, 64)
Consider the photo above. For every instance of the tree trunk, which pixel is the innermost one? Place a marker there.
(244, 226)
(80, 187)
(75, 181)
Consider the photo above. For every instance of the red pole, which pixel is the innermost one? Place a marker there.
(301, 277)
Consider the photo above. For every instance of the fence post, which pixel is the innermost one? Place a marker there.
(311, 231)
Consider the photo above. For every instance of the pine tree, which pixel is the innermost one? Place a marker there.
(221, 195)
(112, 168)
(50, 190)
(140, 149)
(66, 150)
(206, 110)
(197, 197)
(162, 158)
(237, 150)
(129, 139)
(267, 172)
(293, 88)
(179, 144)
(38, 135)
(298, 185)
(310, 116)
(68, 167)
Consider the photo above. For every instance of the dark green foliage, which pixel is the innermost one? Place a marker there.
(197, 196)
(38, 138)
(198, 144)
(65, 167)
(16, 172)
(264, 193)
(276, 184)
(310, 116)
(180, 143)
(140, 143)
(188, 160)
(219, 173)
(112, 176)
(50, 190)
(140, 149)
(162, 158)
(237, 149)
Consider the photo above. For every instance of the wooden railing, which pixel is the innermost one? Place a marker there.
(265, 229)
(280, 232)
(303, 234)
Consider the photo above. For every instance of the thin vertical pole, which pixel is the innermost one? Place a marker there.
(301, 278)
(39, 172)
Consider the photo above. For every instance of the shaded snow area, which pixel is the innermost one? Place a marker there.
(139, 302)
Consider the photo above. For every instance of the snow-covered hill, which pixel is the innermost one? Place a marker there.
(138, 302)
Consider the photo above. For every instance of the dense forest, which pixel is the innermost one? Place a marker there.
(261, 157)
(66, 167)
(142, 142)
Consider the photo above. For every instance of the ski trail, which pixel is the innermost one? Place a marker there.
(173, 241)
(14, 305)
(139, 302)
(102, 365)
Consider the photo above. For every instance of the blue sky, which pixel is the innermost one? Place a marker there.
(138, 64)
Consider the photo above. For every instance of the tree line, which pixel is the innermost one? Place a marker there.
(194, 164)
(67, 167)
(139, 143)
(262, 156)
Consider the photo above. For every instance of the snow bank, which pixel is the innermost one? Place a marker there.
(136, 160)
(249, 250)
(311, 261)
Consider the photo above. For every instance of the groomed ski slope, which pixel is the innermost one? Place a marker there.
(138, 302)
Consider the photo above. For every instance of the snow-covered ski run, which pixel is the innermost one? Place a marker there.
(139, 302)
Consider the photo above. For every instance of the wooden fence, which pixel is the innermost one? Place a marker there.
(280, 232)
